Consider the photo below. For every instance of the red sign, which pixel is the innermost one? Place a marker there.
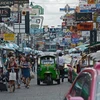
(63, 24)
(85, 26)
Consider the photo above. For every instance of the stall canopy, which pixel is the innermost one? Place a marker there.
(9, 45)
(27, 49)
(80, 47)
(13, 45)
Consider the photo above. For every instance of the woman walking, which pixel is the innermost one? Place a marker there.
(26, 71)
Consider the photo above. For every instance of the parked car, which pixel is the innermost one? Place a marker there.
(86, 86)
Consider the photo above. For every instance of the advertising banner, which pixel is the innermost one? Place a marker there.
(83, 16)
(85, 26)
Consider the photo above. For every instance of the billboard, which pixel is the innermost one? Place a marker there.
(83, 16)
(85, 26)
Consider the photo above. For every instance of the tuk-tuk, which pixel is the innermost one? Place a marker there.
(47, 71)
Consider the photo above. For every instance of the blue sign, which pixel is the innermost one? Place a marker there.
(36, 31)
(64, 9)
(87, 10)
(75, 40)
(98, 6)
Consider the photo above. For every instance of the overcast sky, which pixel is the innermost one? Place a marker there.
(52, 11)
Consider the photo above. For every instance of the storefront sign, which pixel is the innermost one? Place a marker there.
(6, 2)
(4, 12)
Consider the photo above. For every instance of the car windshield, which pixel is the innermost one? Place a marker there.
(98, 88)
(47, 62)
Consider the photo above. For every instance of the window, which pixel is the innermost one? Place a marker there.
(98, 88)
(86, 87)
(82, 86)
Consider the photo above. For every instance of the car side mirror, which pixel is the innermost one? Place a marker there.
(68, 65)
(76, 98)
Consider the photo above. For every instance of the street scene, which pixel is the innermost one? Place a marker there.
(42, 92)
(49, 49)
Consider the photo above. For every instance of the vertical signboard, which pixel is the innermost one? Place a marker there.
(93, 36)
(27, 23)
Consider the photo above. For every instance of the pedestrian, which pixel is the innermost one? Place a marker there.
(26, 66)
(12, 64)
(60, 65)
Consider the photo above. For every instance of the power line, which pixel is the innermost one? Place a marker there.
(53, 3)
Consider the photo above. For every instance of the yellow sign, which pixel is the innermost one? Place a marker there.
(9, 37)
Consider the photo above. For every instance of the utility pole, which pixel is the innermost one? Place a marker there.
(19, 20)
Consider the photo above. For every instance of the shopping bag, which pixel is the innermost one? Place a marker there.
(12, 76)
(32, 74)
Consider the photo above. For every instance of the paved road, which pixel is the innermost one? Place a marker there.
(35, 92)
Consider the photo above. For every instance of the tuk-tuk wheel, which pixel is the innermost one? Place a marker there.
(58, 81)
(38, 82)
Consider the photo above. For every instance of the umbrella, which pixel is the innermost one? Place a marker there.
(6, 46)
(27, 49)
(12, 45)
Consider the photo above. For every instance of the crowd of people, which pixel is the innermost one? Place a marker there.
(22, 66)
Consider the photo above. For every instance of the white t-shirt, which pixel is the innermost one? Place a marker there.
(61, 61)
